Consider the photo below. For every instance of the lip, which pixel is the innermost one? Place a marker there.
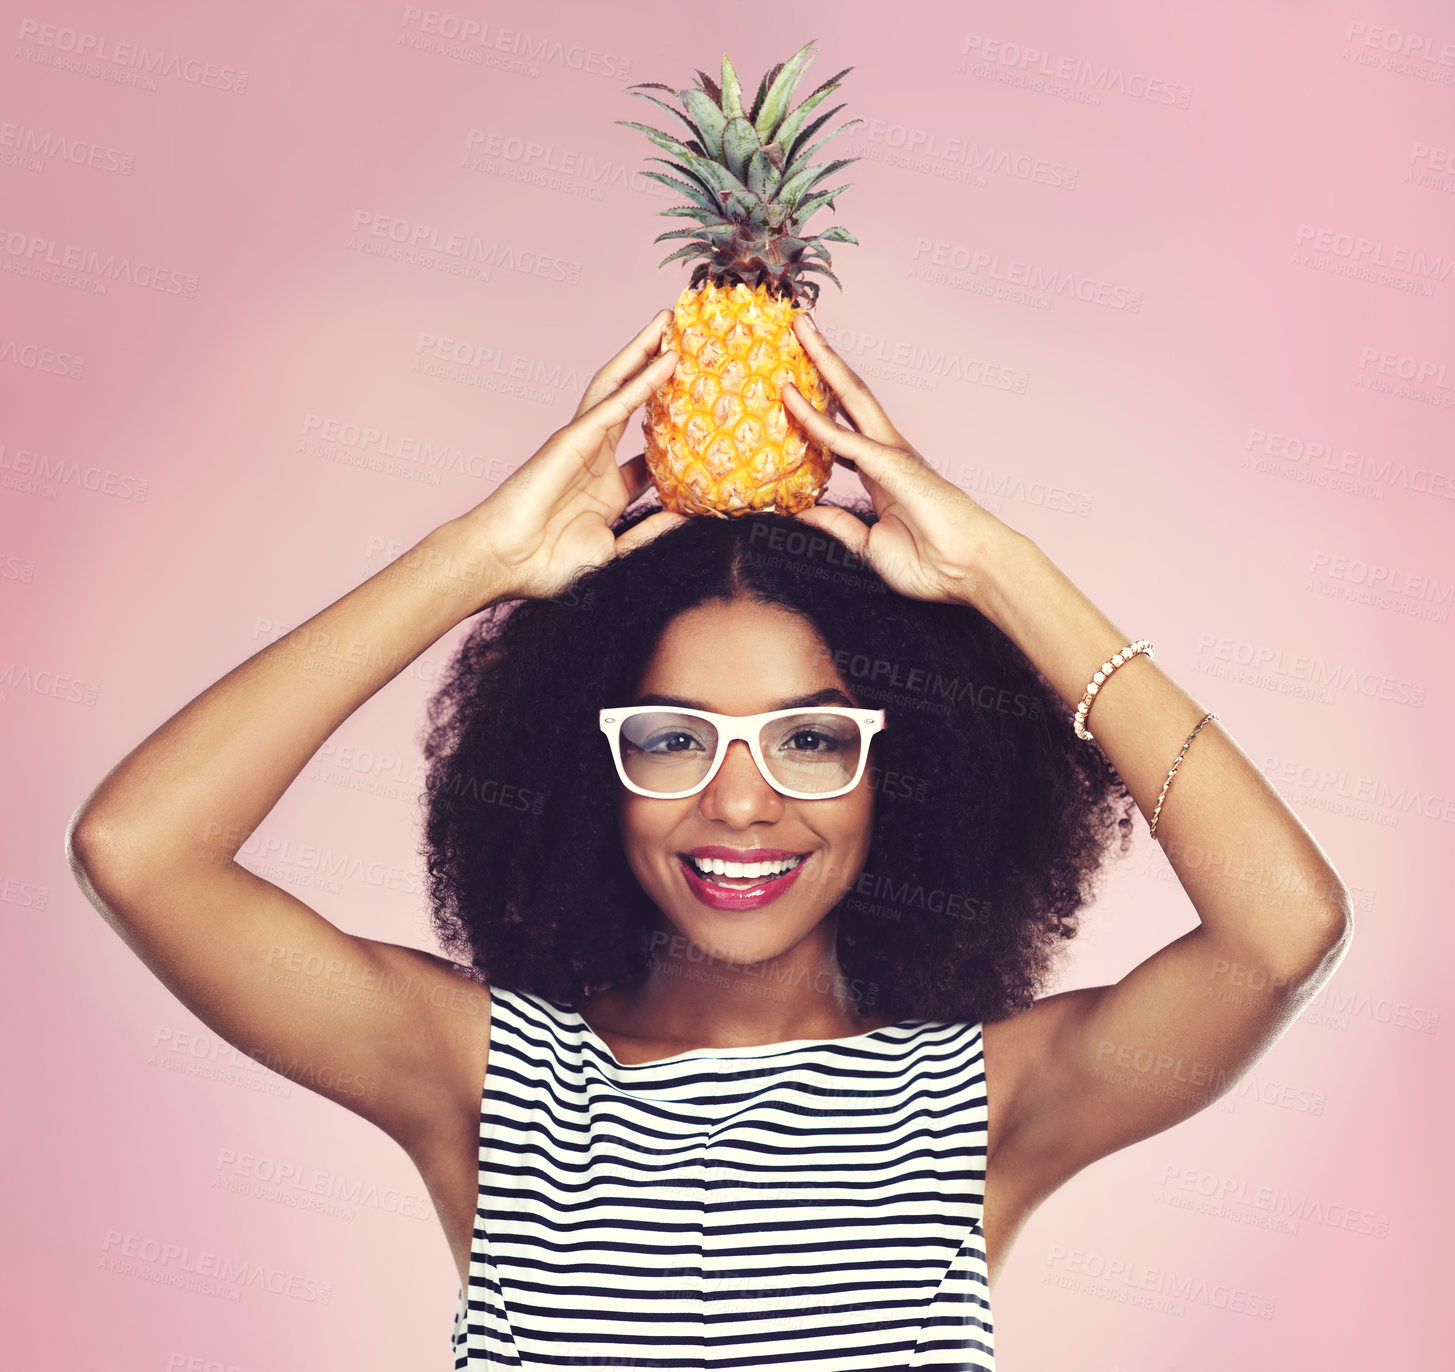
(750, 897)
(716, 850)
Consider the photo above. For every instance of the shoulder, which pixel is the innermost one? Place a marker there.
(451, 1005)
(435, 981)
(1014, 1047)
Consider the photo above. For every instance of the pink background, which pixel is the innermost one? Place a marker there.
(1262, 200)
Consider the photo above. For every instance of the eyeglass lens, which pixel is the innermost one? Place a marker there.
(663, 750)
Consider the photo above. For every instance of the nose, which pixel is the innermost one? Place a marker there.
(739, 794)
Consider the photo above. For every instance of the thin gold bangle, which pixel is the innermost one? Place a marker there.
(1152, 829)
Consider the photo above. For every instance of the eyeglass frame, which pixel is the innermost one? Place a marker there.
(731, 728)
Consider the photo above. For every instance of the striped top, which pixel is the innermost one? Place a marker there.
(812, 1205)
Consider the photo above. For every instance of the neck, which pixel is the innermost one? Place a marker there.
(685, 996)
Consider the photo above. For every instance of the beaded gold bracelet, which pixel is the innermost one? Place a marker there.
(1152, 829)
(1078, 721)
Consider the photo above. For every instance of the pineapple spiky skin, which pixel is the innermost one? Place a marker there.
(719, 439)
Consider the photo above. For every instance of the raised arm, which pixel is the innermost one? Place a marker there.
(1093, 1070)
(154, 845)
(1118, 1063)
(383, 1029)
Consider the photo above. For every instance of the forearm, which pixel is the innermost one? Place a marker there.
(198, 786)
(1257, 878)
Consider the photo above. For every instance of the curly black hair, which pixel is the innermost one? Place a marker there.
(991, 819)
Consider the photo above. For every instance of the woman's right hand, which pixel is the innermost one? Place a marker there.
(551, 518)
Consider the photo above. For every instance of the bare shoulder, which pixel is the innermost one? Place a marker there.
(394, 1034)
(1017, 1181)
(452, 1005)
(1014, 1047)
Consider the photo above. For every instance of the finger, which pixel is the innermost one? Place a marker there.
(865, 412)
(636, 477)
(836, 411)
(848, 528)
(626, 362)
(647, 530)
(605, 420)
(896, 470)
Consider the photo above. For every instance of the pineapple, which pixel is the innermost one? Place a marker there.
(718, 438)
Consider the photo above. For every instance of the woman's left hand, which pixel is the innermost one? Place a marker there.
(930, 541)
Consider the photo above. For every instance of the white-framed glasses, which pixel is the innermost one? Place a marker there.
(668, 752)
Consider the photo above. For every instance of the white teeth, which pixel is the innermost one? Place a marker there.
(721, 867)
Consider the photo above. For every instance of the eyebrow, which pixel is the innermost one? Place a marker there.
(829, 696)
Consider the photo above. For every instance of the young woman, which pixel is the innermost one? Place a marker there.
(756, 838)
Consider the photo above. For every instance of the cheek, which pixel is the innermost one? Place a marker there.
(864, 821)
(635, 842)
(645, 827)
(852, 829)
(631, 823)
(862, 814)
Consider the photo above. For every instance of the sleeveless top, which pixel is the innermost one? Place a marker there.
(812, 1204)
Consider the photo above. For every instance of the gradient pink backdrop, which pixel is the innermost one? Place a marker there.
(172, 502)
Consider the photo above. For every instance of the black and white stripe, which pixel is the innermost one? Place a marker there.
(809, 1205)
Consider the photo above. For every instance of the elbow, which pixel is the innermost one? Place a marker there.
(1342, 927)
(85, 844)
(99, 860)
(1328, 930)
(81, 842)
(1337, 918)
(92, 849)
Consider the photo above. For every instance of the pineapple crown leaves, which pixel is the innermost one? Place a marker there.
(748, 172)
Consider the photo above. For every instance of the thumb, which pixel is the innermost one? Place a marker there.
(849, 529)
(647, 530)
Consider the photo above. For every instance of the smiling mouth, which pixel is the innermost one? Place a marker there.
(740, 876)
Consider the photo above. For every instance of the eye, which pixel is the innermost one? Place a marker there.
(812, 741)
(671, 741)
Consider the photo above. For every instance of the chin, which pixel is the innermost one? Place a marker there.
(744, 938)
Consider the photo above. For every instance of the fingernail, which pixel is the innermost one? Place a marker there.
(808, 319)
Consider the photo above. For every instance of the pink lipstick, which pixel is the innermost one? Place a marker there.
(745, 892)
